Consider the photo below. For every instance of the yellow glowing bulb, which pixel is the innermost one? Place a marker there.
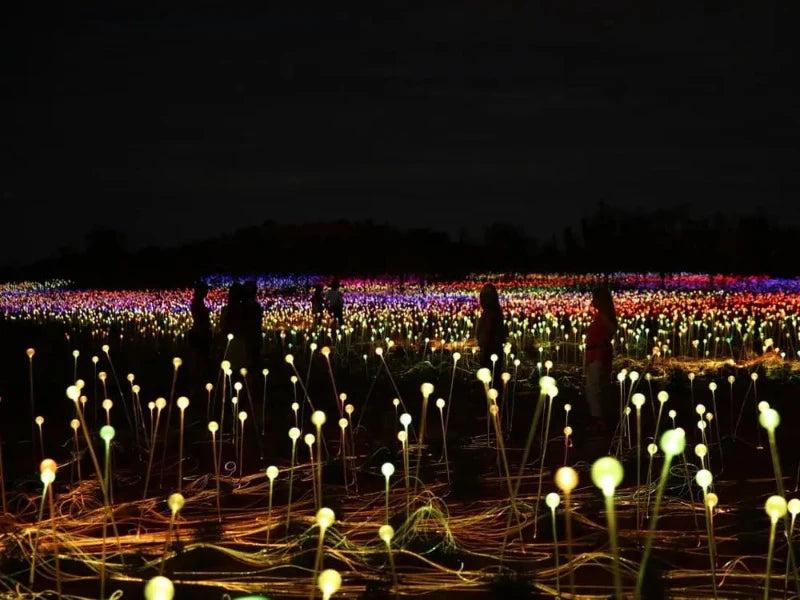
(387, 469)
(552, 500)
(160, 403)
(386, 533)
(39, 420)
(566, 479)
(704, 478)
(75, 424)
(712, 500)
(309, 439)
(484, 375)
(793, 506)
(183, 402)
(73, 393)
(775, 507)
(440, 403)
(177, 362)
(329, 582)
(175, 503)
(325, 351)
(107, 404)
(272, 472)
(663, 396)
(294, 434)
(289, 359)
(318, 418)
(242, 416)
(426, 389)
(159, 588)
(325, 518)
(700, 450)
(638, 400)
(405, 419)
(213, 426)
(30, 352)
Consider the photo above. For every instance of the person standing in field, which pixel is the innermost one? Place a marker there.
(336, 303)
(599, 354)
(491, 332)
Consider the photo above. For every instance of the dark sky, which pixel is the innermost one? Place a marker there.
(174, 124)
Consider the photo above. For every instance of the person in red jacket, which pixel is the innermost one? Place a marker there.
(599, 353)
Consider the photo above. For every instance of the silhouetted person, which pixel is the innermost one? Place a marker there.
(200, 334)
(317, 304)
(492, 331)
(336, 303)
(599, 354)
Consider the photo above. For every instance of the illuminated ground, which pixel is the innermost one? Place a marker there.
(461, 536)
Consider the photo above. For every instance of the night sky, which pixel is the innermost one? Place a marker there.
(173, 124)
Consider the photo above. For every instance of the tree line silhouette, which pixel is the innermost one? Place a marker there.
(609, 239)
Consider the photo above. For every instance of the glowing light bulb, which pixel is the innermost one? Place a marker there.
(30, 352)
(325, 518)
(225, 365)
(213, 426)
(552, 500)
(700, 409)
(309, 439)
(107, 433)
(39, 420)
(177, 362)
(638, 400)
(484, 375)
(701, 450)
(183, 402)
(762, 406)
(652, 449)
(387, 469)
(325, 351)
(73, 393)
(673, 441)
(294, 434)
(633, 376)
(712, 500)
(289, 359)
(456, 356)
(386, 533)
(440, 403)
(426, 389)
(47, 471)
(329, 582)
(672, 414)
(793, 506)
(769, 419)
(405, 419)
(379, 351)
(396, 402)
(175, 503)
(712, 386)
(607, 474)
(159, 588)
(663, 396)
(775, 507)
(318, 418)
(160, 403)
(704, 478)
(75, 424)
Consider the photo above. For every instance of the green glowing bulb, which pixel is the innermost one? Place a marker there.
(663, 396)
(673, 441)
(775, 506)
(701, 450)
(107, 433)
(159, 588)
(769, 419)
(272, 472)
(552, 500)
(607, 474)
(638, 399)
(652, 449)
(704, 478)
